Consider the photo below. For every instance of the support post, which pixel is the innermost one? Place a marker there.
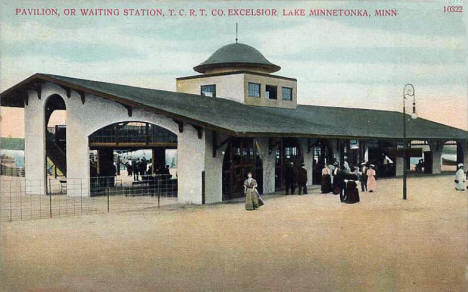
(215, 142)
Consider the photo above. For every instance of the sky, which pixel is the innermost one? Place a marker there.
(338, 61)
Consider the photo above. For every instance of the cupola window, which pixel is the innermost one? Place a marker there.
(287, 93)
(270, 92)
(208, 90)
(254, 89)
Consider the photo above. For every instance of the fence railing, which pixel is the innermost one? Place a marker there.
(23, 199)
(11, 171)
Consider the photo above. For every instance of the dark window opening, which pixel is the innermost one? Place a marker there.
(271, 92)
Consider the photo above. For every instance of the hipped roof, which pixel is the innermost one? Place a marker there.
(238, 119)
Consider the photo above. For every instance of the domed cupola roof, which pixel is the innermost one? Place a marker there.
(237, 55)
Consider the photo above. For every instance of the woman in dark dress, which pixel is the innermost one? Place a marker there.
(326, 180)
(351, 192)
(338, 182)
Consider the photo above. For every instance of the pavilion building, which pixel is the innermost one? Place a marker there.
(232, 118)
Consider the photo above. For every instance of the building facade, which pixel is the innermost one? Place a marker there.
(232, 118)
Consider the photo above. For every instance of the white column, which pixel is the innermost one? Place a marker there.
(77, 148)
(465, 152)
(399, 165)
(213, 169)
(334, 149)
(308, 157)
(34, 145)
(268, 160)
(436, 149)
(190, 164)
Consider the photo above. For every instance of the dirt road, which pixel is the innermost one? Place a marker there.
(293, 243)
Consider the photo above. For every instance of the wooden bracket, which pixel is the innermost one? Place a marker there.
(271, 145)
(67, 90)
(82, 95)
(199, 131)
(26, 98)
(180, 124)
(129, 110)
(38, 88)
(215, 141)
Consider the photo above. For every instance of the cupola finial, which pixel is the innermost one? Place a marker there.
(236, 33)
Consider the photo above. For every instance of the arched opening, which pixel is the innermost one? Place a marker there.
(420, 157)
(241, 156)
(56, 134)
(452, 154)
(383, 155)
(321, 155)
(288, 151)
(133, 158)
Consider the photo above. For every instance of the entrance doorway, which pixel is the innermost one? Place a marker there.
(288, 151)
(241, 156)
(138, 157)
(55, 132)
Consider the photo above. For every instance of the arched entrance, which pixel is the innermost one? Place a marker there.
(241, 156)
(55, 132)
(321, 155)
(383, 155)
(420, 157)
(288, 151)
(452, 154)
(138, 157)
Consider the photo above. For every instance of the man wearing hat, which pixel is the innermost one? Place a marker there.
(290, 177)
(363, 176)
(302, 179)
(460, 178)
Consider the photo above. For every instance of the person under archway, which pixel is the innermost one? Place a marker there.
(326, 180)
(302, 179)
(290, 177)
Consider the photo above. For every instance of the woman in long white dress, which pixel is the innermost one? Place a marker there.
(460, 178)
(371, 183)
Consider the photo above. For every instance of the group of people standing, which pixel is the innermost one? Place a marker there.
(295, 176)
(343, 180)
(138, 168)
(336, 179)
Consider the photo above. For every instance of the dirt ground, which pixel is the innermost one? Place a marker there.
(293, 243)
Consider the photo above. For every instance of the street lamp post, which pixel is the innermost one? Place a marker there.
(408, 91)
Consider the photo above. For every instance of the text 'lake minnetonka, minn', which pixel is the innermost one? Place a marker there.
(192, 12)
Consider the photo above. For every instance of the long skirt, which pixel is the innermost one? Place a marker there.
(371, 183)
(251, 199)
(352, 194)
(326, 184)
(460, 186)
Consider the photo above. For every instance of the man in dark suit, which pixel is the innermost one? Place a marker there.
(302, 179)
(290, 178)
